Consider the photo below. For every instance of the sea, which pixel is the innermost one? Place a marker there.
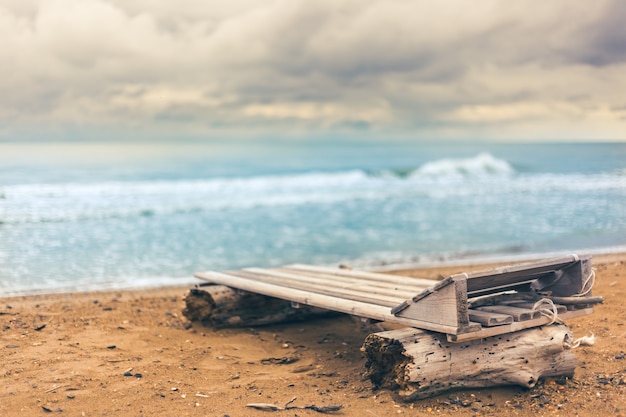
(81, 216)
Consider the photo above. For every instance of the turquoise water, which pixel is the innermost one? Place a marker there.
(96, 216)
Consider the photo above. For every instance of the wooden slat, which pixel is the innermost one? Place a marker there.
(281, 279)
(490, 319)
(371, 276)
(290, 278)
(513, 275)
(440, 306)
(341, 305)
(423, 294)
(445, 303)
(518, 314)
(409, 289)
(513, 327)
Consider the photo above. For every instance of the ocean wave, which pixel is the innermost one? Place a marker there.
(41, 203)
(482, 165)
(480, 175)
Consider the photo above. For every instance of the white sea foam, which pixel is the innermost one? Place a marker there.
(480, 175)
(481, 165)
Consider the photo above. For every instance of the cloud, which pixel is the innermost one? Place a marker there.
(276, 67)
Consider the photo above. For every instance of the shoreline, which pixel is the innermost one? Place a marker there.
(488, 259)
(132, 353)
(470, 261)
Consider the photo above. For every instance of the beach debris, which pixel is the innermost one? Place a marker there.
(41, 326)
(220, 306)
(419, 364)
(582, 341)
(285, 360)
(326, 409)
(305, 368)
(463, 306)
(56, 387)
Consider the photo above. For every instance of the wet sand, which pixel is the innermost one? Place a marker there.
(132, 353)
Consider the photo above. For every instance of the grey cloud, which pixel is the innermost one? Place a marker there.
(605, 40)
(352, 64)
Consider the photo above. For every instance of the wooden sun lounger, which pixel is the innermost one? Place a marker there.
(464, 306)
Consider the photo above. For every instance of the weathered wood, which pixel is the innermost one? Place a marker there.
(220, 306)
(524, 275)
(573, 280)
(518, 314)
(372, 276)
(336, 303)
(445, 303)
(409, 288)
(489, 319)
(515, 326)
(418, 364)
(354, 292)
(442, 306)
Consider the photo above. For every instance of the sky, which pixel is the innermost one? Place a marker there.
(530, 70)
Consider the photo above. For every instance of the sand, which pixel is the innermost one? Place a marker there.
(132, 353)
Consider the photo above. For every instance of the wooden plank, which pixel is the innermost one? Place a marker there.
(519, 284)
(447, 305)
(290, 279)
(518, 314)
(440, 306)
(489, 319)
(411, 290)
(321, 288)
(514, 327)
(372, 276)
(568, 281)
(513, 275)
(344, 282)
(544, 265)
(425, 293)
(342, 305)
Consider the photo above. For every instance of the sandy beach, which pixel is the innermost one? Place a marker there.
(133, 353)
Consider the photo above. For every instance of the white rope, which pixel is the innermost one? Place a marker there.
(588, 284)
(582, 341)
(547, 308)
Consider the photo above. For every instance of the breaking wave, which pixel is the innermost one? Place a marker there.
(481, 165)
(482, 174)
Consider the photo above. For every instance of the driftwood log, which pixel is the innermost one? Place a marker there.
(220, 306)
(418, 364)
